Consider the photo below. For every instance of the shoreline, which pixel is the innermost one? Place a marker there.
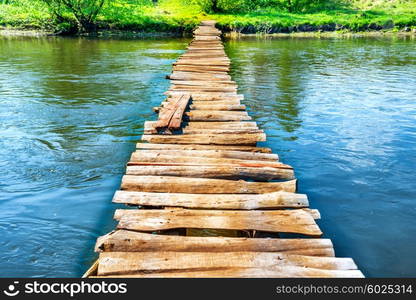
(14, 32)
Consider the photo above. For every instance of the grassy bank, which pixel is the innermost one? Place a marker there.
(183, 15)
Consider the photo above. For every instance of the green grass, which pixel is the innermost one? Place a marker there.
(182, 16)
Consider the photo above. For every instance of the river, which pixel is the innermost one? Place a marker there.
(341, 111)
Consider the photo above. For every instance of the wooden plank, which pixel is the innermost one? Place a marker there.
(209, 171)
(203, 147)
(217, 102)
(171, 115)
(221, 125)
(199, 83)
(195, 75)
(214, 201)
(157, 156)
(206, 139)
(191, 89)
(201, 62)
(206, 69)
(119, 263)
(218, 131)
(229, 107)
(209, 96)
(285, 272)
(287, 221)
(213, 115)
(221, 104)
(215, 153)
(176, 120)
(171, 184)
(124, 240)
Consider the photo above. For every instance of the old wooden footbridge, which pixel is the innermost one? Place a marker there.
(204, 200)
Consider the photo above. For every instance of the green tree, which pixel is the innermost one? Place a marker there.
(84, 11)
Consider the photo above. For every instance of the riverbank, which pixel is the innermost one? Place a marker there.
(129, 34)
(174, 17)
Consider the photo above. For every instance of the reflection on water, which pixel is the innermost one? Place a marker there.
(71, 110)
(342, 112)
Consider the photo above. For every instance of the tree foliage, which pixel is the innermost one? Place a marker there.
(232, 6)
(84, 11)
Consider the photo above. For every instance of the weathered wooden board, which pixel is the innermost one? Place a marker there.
(171, 115)
(209, 171)
(197, 76)
(202, 147)
(217, 102)
(209, 96)
(205, 69)
(191, 89)
(176, 120)
(124, 240)
(286, 272)
(206, 139)
(171, 184)
(214, 201)
(218, 131)
(221, 125)
(156, 156)
(202, 62)
(215, 153)
(231, 107)
(288, 221)
(203, 83)
(221, 104)
(119, 263)
(212, 115)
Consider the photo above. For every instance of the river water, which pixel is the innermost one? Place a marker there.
(341, 111)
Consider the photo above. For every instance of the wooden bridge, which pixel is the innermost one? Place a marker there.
(205, 201)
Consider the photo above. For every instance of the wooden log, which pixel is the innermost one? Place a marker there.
(119, 263)
(209, 171)
(287, 221)
(203, 147)
(130, 241)
(215, 153)
(171, 184)
(212, 115)
(206, 139)
(214, 201)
